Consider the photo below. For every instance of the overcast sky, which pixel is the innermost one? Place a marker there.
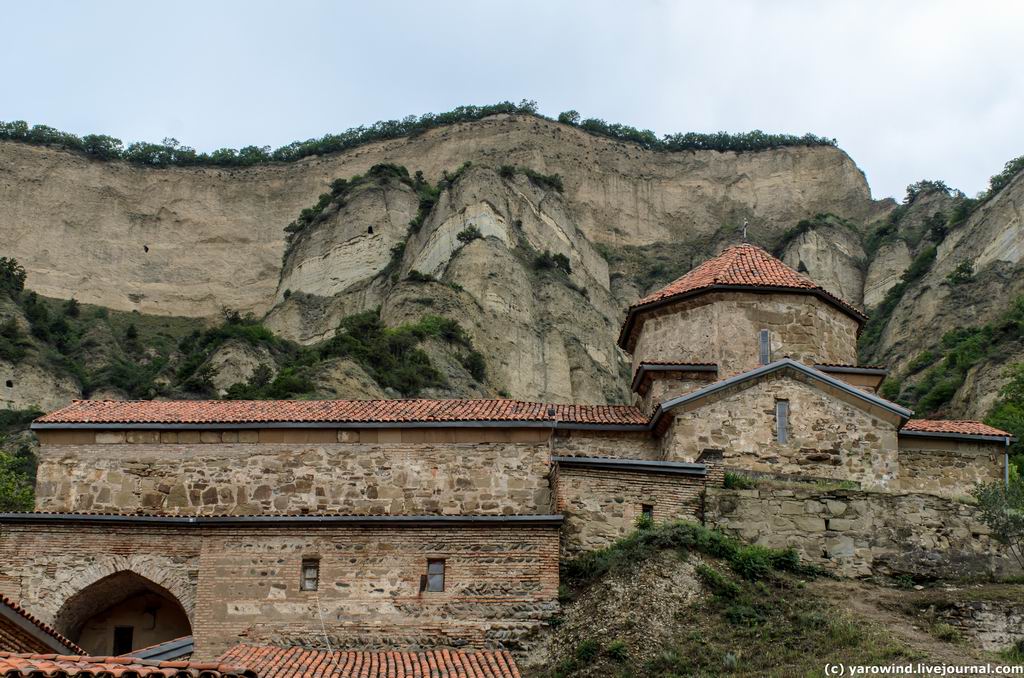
(911, 90)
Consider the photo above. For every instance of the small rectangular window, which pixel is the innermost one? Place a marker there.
(310, 574)
(123, 639)
(782, 421)
(435, 575)
(764, 351)
(648, 511)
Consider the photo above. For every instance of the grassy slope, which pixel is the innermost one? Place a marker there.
(677, 600)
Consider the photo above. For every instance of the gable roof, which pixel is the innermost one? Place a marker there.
(740, 267)
(955, 427)
(176, 648)
(28, 623)
(355, 413)
(297, 662)
(58, 666)
(779, 365)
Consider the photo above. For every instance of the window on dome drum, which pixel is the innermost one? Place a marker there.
(435, 575)
(123, 638)
(764, 348)
(782, 421)
(310, 574)
(647, 510)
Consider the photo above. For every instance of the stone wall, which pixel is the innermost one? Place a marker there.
(861, 533)
(601, 506)
(501, 581)
(993, 625)
(620, 445)
(291, 477)
(948, 467)
(724, 328)
(828, 436)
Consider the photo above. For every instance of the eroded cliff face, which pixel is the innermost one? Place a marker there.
(188, 241)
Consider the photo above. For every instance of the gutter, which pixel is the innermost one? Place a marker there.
(636, 465)
(540, 520)
(872, 371)
(957, 436)
(231, 426)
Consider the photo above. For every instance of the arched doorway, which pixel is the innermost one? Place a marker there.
(120, 613)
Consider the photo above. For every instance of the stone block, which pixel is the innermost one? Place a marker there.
(248, 436)
(142, 437)
(110, 437)
(209, 437)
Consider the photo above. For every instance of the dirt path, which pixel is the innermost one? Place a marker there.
(881, 605)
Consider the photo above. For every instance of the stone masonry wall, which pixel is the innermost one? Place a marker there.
(724, 328)
(501, 582)
(861, 533)
(948, 467)
(601, 506)
(828, 437)
(267, 477)
(620, 445)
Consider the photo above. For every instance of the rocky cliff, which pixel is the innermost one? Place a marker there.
(622, 220)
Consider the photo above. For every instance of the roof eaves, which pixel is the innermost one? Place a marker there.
(669, 367)
(303, 519)
(958, 436)
(784, 363)
(229, 426)
(636, 465)
(27, 622)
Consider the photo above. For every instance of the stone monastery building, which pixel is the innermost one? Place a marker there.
(421, 524)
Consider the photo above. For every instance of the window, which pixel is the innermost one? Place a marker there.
(782, 421)
(123, 638)
(435, 575)
(310, 574)
(647, 510)
(764, 349)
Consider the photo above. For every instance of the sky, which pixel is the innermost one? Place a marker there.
(910, 89)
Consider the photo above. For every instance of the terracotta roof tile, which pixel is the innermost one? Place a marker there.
(739, 266)
(334, 412)
(58, 666)
(297, 662)
(45, 628)
(974, 428)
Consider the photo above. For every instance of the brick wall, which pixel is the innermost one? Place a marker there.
(289, 477)
(14, 639)
(243, 583)
(601, 506)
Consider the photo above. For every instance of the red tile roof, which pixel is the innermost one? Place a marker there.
(334, 412)
(297, 662)
(974, 428)
(58, 666)
(739, 266)
(45, 628)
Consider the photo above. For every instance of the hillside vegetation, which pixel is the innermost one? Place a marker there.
(680, 600)
(172, 153)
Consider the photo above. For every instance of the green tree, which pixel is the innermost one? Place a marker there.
(12, 276)
(1002, 509)
(1008, 413)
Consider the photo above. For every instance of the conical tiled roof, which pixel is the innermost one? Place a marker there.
(740, 266)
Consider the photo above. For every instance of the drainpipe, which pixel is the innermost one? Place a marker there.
(1006, 463)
